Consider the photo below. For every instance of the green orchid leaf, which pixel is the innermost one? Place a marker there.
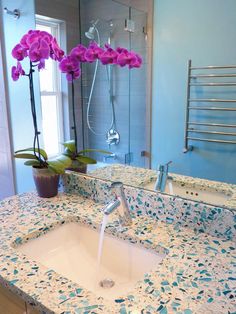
(70, 145)
(86, 160)
(56, 167)
(33, 163)
(30, 149)
(25, 156)
(89, 150)
(64, 160)
(68, 153)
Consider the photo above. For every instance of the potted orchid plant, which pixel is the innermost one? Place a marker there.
(39, 46)
(70, 65)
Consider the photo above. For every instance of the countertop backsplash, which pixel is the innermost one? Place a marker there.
(200, 217)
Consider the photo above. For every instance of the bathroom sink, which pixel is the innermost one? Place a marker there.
(71, 250)
(196, 193)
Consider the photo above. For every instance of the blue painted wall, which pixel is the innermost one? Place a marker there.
(204, 31)
(19, 102)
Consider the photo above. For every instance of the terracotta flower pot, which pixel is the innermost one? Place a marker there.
(46, 182)
(78, 167)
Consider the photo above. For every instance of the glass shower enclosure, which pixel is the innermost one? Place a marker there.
(114, 99)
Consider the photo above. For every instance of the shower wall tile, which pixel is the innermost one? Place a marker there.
(128, 85)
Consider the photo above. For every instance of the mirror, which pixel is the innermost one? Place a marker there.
(114, 113)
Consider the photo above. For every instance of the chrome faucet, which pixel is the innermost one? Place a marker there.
(110, 156)
(162, 176)
(119, 203)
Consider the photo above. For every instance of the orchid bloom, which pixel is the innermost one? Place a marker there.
(130, 58)
(93, 52)
(17, 71)
(79, 53)
(71, 66)
(39, 50)
(38, 46)
(19, 52)
(109, 56)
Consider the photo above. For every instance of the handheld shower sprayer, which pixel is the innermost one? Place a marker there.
(90, 34)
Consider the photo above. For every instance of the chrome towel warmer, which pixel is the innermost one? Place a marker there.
(191, 104)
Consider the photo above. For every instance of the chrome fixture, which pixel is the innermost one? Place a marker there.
(112, 137)
(107, 283)
(110, 156)
(162, 176)
(119, 203)
(196, 79)
(90, 34)
(15, 13)
(129, 25)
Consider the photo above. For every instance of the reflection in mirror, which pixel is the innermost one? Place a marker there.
(196, 189)
(114, 98)
(113, 104)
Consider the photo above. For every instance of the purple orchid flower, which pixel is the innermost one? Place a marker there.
(56, 52)
(17, 71)
(79, 53)
(135, 60)
(39, 50)
(93, 52)
(132, 59)
(19, 52)
(41, 65)
(123, 59)
(69, 64)
(109, 56)
(38, 46)
(73, 75)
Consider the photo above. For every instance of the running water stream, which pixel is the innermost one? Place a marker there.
(101, 240)
(171, 190)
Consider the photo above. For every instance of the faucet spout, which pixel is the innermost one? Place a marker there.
(107, 210)
(119, 203)
(162, 176)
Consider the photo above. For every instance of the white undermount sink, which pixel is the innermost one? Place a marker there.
(196, 193)
(71, 250)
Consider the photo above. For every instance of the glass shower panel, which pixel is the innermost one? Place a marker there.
(138, 92)
(98, 116)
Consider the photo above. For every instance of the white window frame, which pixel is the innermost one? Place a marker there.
(56, 32)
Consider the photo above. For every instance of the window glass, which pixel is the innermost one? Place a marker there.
(52, 124)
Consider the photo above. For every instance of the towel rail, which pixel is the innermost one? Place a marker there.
(192, 126)
(210, 140)
(212, 108)
(212, 84)
(212, 75)
(211, 100)
(214, 67)
(211, 132)
(213, 124)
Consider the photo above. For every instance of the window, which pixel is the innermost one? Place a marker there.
(50, 93)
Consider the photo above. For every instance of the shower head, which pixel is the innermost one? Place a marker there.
(90, 34)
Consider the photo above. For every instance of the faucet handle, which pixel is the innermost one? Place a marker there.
(164, 167)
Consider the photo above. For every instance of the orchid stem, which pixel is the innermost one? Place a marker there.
(34, 116)
(73, 112)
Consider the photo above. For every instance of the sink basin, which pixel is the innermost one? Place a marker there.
(196, 193)
(71, 250)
